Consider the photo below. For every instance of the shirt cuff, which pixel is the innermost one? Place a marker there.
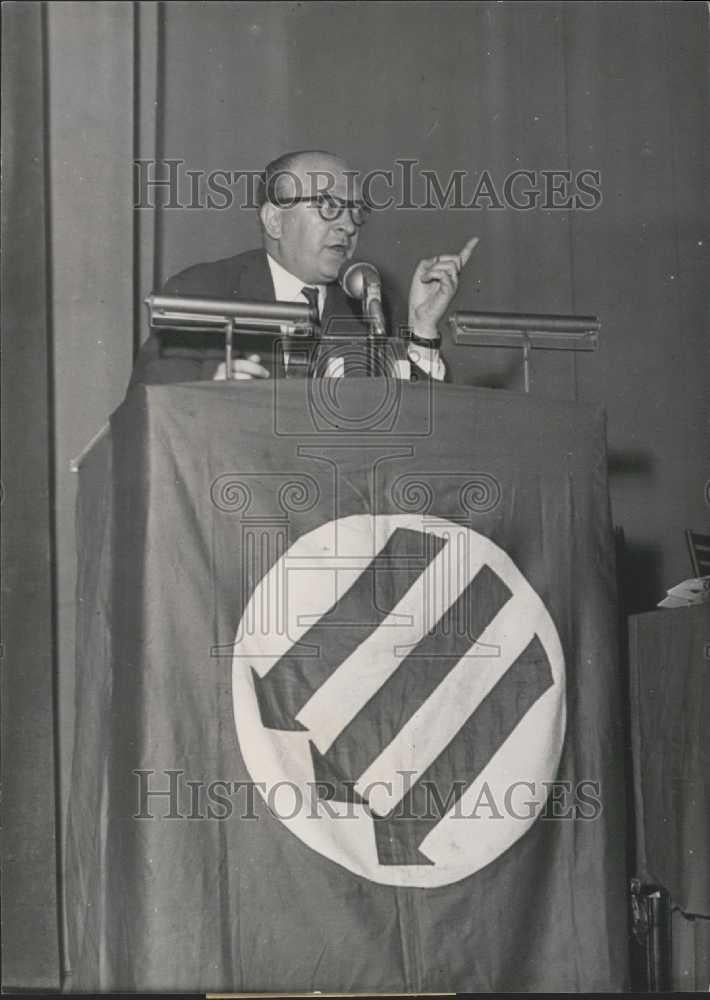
(428, 360)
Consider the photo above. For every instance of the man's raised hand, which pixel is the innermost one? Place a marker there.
(434, 284)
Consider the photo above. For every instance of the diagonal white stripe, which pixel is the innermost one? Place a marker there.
(432, 727)
(338, 700)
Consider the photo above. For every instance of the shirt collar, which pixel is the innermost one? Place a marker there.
(288, 288)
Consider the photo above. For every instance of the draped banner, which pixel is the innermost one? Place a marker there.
(349, 709)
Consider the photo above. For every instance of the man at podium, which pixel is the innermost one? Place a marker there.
(310, 212)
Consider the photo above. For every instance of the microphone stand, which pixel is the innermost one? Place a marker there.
(377, 327)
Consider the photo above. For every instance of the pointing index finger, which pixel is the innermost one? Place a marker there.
(468, 249)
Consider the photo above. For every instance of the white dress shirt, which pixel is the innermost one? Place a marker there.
(289, 288)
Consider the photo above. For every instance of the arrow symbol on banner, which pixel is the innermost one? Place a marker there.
(418, 671)
(377, 591)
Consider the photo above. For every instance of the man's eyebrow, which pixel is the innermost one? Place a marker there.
(342, 201)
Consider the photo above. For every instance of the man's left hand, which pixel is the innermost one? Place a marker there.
(434, 285)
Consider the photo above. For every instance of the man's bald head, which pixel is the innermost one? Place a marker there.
(306, 173)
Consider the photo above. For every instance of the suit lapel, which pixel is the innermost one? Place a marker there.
(253, 278)
(252, 281)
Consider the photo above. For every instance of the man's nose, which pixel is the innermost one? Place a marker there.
(345, 223)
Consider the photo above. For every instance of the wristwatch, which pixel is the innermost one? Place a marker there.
(423, 341)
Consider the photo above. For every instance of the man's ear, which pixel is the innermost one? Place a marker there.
(270, 216)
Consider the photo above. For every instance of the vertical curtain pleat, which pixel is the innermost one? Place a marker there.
(30, 927)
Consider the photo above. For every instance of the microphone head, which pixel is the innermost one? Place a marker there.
(356, 276)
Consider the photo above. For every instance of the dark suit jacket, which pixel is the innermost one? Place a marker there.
(172, 356)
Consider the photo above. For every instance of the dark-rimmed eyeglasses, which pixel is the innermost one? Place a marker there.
(330, 208)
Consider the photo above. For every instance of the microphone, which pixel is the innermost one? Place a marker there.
(362, 281)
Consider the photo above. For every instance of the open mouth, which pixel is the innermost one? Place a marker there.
(340, 249)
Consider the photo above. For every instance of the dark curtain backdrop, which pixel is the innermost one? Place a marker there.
(615, 87)
(619, 88)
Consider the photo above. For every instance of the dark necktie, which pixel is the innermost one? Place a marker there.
(301, 362)
(311, 295)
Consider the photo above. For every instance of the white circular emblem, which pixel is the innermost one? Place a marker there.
(398, 693)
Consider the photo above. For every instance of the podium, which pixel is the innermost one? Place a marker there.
(348, 701)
